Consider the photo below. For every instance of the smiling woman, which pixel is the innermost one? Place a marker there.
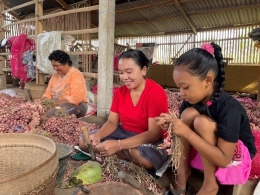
(131, 131)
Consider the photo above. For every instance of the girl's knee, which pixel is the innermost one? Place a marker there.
(188, 115)
(203, 124)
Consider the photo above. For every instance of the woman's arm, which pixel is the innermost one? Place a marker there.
(151, 135)
(59, 102)
(109, 126)
(47, 94)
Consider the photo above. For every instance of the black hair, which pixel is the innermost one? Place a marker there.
(137, 55)
(60, 56)
(199, 62)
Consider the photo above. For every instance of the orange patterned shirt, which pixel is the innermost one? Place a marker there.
(71, 87)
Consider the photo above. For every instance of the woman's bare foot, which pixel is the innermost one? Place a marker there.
(35, 120)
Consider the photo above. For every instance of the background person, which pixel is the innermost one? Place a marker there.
(66, 88)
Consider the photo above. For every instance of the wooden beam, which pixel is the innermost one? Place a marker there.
(63, 4)
(19, 6)
(258, 96)
(53, 15)
(82, 52)
(90, 75)
(40, 80)
(15, 15)
(3, 58)
(180, 8)
(84, 9)
(84, 31)
(19, 22)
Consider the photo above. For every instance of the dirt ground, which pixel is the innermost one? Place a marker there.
(195, 179)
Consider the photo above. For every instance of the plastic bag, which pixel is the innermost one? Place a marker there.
(10, 92)
(66, 39)
(46, 43)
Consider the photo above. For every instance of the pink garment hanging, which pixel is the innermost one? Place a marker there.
(19, 44)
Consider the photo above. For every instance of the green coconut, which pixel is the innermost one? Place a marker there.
(88, 173)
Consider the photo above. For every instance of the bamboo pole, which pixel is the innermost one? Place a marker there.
(19, 22)
(183, 46)
(39, 30)
(3, 58)
(90, 75)
(88, 41)
(82, 52)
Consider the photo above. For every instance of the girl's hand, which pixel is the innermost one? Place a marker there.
(95, 139)
(108, 147)
(178, 127)
(161, 120)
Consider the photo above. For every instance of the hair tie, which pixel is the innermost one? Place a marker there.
(208, 47)
(209, 103)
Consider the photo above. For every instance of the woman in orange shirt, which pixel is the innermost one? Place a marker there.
(67, 88)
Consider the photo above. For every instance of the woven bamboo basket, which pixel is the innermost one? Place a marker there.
(28, 164)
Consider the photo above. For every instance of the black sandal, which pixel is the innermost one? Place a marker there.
(172, 191)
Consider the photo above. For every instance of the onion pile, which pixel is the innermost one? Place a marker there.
(174, 101)
(253, 111)
(16, 114)
(65, 129)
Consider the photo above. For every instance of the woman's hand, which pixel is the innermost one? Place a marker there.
(95, 139)
(108, 147)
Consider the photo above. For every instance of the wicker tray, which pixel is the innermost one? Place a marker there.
(28, 164)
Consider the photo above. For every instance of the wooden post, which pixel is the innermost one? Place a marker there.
(3, 58)
(105, 56)
(258, 94)
(88, 59)
(39, 30)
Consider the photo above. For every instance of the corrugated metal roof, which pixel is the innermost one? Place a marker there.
(146, 17)
(166, 18)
